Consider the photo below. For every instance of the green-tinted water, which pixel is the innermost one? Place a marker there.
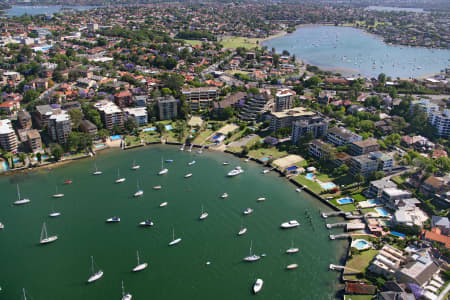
(60, 270)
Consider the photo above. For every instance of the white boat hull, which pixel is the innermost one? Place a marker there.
(292, 250)
(55, 214)
(203, 216)
(242, 231)
(127, 297)
(21, 202)
(95, 277)
(111, 220)
(158, 187)
(138, 194)
(164, 171)
(120, 180)
(261, 199)
(174, 242)
(58, 195)
(140, 267)
(292, 266)
(290, 224)
(258, 286)
(188, 175)
(145, 224)
(163, 204)
(98, 173)
(48, 240)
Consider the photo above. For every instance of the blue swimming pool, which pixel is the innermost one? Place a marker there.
(345, 201)
(193, 131)
(382, 212)
(265, 159)
(361, 245)
(216, 136)
(5, 166)
(395, 233)
(309, 176)
(149, 129)
(100, 146)
(42, 157)
(168, 127)
(115, 137)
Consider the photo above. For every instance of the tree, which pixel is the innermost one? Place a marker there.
(30, 95)
(76, 116)
(382, 78)
(57, 151)
(22, 157)
(57, 76)
(39, 157)
(103, 134)
(131, 125)
(393, 139)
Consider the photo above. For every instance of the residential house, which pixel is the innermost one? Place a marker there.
(123, 98)
(10, 106)
(285, 119)
(364, 165)
(377, 187)
(340, 136)
(111, 114)
(59, 126)
(88, 127)
(442, 223)
(284, 99)
(342, 158)
(200, 98)
(320, 149)
(139, 114)
(435, 185)
(435, 236)
(419, 271)
(168, 108)
(387, 261)
(364, 146)
(358, 288)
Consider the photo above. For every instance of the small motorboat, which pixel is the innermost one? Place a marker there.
(188, 175)
(257, 286)
(191, 163)
(291, 266)
(157, 187)
(163, 204)
(114, 219)
(58, 195)
(292, 250)
(169, 160)
(139, 193)
(146, 223)
(261, 199)
(290, 224)
(224, 195)
(248, 211)
(225, 163)
(238, 170)
(68, 182)
(265, 171)
(203, 215)
(54, 214)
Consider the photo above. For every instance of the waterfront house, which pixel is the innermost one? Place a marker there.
(419, 271)
(34, 140)
(364, 165)
(387, 261)
(88, 127)
(390, 195)
(320, 149)
(358, 288)
(377, 187)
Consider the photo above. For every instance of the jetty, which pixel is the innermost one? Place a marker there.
(339, 236)
(347, 215)
(190, 147)
(182, 147)
(342, 268)
(348, 226)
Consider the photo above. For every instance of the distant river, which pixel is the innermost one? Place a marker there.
(351, 51)
(19, 10)
(60, 270)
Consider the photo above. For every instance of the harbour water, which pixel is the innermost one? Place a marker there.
(60, 270)
(351, 51)
(19, 10)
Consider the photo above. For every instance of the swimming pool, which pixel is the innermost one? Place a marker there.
(398, 234)
(115, 137)
(5, 166)
(361, 244)
(149, 129)
(382, 212)
(374, 202)
(216, 136)
(99, 146)
(168, 127)
(309, 176)
(264, 159)
(328, 185)
(345, 201)
(193, 131)
(42, 157)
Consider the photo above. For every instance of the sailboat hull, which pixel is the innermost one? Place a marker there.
(48, 240)
(21, 202)
(174, 242)
(95, 277)
(140, 267)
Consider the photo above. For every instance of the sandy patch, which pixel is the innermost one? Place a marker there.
(288, 161)
(228, 128)
(195, 121)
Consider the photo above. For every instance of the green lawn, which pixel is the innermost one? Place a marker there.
(359, 297)
(273, 152)
(200, 139)
(361, 261)
(131, 140)
(367, 210)
(398, 180)
(150, 137)
(313, 186)
(345, 207)
(235, 42)
(193, 42)
(359, 197)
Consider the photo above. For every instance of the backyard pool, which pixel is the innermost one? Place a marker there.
(193, 131)
(5, 166)
(168, 127)
(100, 146)
(310, 176)
(382, 212)
(42, 157)
(361, 244)
(115, 137)
(398, 234)
(327, 185)
(345, 201)
(149, 129)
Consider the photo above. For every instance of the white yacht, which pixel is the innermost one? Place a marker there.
(163, 204)
(252, 257)
(119, 179)
(290, 224)
(243, 230)
(139, 191)
(292, 250)
(146, 223)
(191, 163)
(265, 171)
(114, 219)
(163, 170)
(291, 266)
(225, 163)
(45, 239)
(248, 211)
(97, 172)
(261, 199)
(54, 213)
(94, 275)
(188, 175)
(257, 286)
(157, 187)
(57, 195)
(135, 166)
(174, 241)
(238, 170)
(19, 200)
(139, 266)
(126, 296)
(203, 215)
(224, 195)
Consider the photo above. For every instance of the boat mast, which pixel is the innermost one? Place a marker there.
(24, 295)
(137, 252)
(44, 231)
(123, 290)
(251, 244)
(173, 234)
(92, 265)
(18, 192)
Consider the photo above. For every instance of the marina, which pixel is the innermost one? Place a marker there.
(97, 198)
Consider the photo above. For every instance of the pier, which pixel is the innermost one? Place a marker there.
(182, 147)
(342, 268)
(334, 214)
(329, 226)
(190, 147)
(340, 236)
